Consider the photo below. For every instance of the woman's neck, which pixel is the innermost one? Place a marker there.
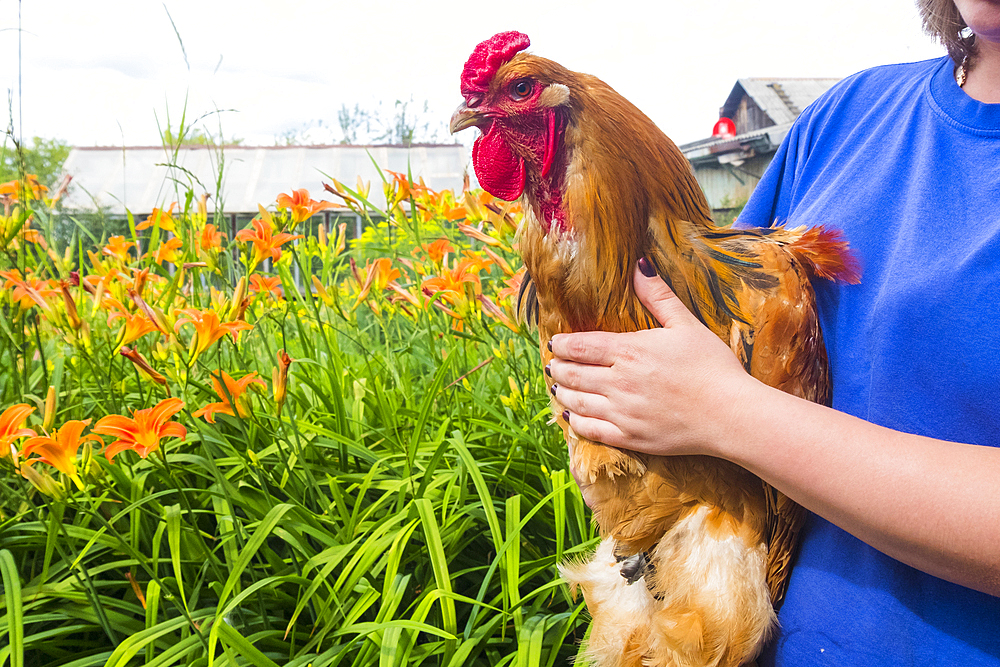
(983, 80)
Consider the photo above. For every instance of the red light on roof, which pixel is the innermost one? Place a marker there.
(724, 129)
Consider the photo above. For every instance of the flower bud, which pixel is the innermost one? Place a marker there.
(71, 312)
(140, 281)
(239, 293)
(43, 482)
(141, 364)
(279, 378)
(50, 409)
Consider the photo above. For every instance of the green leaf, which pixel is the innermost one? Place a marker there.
(265, 528)
(127, 649)
(12, 598)
(439, 563)
(173, 517)
(237, 641)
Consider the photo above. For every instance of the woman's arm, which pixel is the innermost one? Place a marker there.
(929, 503)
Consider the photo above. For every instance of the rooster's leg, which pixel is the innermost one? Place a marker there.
(619, 635)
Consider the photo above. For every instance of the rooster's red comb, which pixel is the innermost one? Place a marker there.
(487, 58)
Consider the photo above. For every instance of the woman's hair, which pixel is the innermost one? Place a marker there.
(942, 20)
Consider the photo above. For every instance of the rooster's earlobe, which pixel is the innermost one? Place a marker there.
(554, 95)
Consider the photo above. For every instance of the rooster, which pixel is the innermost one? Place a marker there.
(602, 187)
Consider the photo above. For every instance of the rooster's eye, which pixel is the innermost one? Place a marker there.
(521, 89)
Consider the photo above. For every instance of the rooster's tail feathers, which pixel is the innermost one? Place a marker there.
(827, 254)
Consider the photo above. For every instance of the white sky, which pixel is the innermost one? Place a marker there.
(100, 72)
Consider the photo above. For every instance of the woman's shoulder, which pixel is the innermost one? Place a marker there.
(879, 84)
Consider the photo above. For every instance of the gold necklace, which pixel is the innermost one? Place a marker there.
(962, 72)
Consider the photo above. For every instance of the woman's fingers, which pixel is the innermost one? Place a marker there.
(596, 348)
(583, 403)
(582, 377)
(596, 430)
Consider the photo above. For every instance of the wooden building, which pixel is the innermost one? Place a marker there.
(762, 110)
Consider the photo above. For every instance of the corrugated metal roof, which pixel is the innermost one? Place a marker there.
(781, 99)
(143, 178)
(703, 148)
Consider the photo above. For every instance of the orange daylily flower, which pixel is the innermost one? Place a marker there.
(476, 262)
(301, 206)
(12, 428)
(401, 184)
(28, 291)
(234, 390)
(211, 238)
(513, 285)
(259, 283)
(437, 250)
(377, 277)
(169, 251)
(136, 325)
(118, 247)
(208, 329)
(154, 315)
(29, 186)
(59, 449)
(32, 235)
(160, 218)
(452, 281)
(457, 213)
(265, 242)
(143, 432)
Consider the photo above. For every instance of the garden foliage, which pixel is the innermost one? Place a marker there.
(282, 448)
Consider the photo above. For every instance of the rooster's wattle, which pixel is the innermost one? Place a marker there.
(697, 550)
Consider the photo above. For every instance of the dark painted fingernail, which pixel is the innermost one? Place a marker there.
(646, 267)
(548, 369)
(565, 415)
(550, 345)
(552, 389)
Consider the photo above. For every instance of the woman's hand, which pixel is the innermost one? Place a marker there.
(661, 391)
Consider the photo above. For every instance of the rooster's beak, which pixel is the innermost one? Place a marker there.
(465, 117)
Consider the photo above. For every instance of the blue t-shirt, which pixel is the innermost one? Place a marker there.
(908, 166)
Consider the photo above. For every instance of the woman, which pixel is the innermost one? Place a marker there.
(900, 562)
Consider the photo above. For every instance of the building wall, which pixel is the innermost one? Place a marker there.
(750, 117)
(143, 178)
(727, 186)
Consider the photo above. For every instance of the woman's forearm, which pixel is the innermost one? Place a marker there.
(932, 504)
